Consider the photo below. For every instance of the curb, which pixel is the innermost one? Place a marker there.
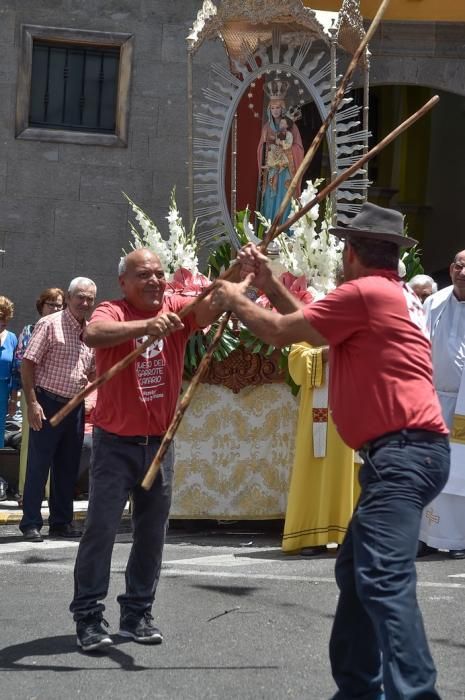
(14, 516)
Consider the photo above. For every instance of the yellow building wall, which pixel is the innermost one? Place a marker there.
(419, 10)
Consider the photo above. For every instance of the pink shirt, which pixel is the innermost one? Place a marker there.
(63, 361)
(141, 399)
(380, 358)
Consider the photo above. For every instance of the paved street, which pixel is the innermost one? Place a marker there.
(240, 619)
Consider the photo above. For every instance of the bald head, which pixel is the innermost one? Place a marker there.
(457, 275)
(135, 257)
(142, 279)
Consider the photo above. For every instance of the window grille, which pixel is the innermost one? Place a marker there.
(74, 87)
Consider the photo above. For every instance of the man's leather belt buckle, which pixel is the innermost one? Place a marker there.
(144, 440)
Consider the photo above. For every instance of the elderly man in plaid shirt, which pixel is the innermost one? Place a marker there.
(57, 364)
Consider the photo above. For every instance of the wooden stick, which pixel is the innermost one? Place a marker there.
(152, 471)
(105, 377)
(154, 467)
(270, 235)
(356, 166)
(327, 121)
(122, 364)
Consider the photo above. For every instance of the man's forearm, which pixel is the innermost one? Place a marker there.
(274, 328)
(281, 298)
(265, 324)
(106, 334)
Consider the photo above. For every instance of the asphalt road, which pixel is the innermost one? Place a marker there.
(240, 620)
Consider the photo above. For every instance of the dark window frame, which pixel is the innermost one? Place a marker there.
(125, 43)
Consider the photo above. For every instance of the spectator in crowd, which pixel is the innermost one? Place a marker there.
(56, 365)
(423, 286)
(132, 414)
(443, 521)
(49, 302)
(9, 379)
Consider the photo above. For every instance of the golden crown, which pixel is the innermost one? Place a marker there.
(276, 89)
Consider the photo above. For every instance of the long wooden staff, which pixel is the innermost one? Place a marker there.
(329, 117)
(155, 466)
(184, 403)
(116, 368)
(125, 362)
(356, 166)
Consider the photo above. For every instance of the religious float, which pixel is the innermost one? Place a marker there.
(259, 112)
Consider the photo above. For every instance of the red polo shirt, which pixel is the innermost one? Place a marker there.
(141, 399)
(380, 358)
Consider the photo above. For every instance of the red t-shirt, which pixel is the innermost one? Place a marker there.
(380, 358)
(141, 399)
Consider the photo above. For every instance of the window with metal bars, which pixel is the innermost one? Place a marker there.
(74, 87)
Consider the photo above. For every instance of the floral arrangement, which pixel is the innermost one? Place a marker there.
(179, 251)
(310, 250)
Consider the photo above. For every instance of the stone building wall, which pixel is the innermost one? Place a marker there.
(61, 209)
(429, 54)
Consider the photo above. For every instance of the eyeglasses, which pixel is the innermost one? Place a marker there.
(54, 305)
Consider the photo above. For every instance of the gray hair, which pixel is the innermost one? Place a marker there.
(122, 265)
(80, 282)
(423, 279)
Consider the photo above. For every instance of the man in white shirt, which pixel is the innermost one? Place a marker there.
(443, 520)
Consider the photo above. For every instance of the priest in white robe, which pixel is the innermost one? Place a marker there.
(443, 520)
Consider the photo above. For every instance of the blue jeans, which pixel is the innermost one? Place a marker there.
(378, 639)
(117, 469)
(58, 450)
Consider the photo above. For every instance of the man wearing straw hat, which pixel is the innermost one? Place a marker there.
(132, 413)
(383, 404)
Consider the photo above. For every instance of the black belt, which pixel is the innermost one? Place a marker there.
(51, 395)
(134, 439)
(407, 435)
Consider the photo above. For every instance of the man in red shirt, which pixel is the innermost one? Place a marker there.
(131, 415)
(383, 403)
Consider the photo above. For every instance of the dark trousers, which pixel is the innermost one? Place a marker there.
(58, 450)
(378, 638)
(117, 470)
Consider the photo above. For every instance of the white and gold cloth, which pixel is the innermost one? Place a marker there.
(234, 453)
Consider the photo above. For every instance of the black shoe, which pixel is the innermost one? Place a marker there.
(91, 635)
(140, 628)
(313, 551)
(32, 534)
(66, 531)
(457, 553)
(424, 549)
